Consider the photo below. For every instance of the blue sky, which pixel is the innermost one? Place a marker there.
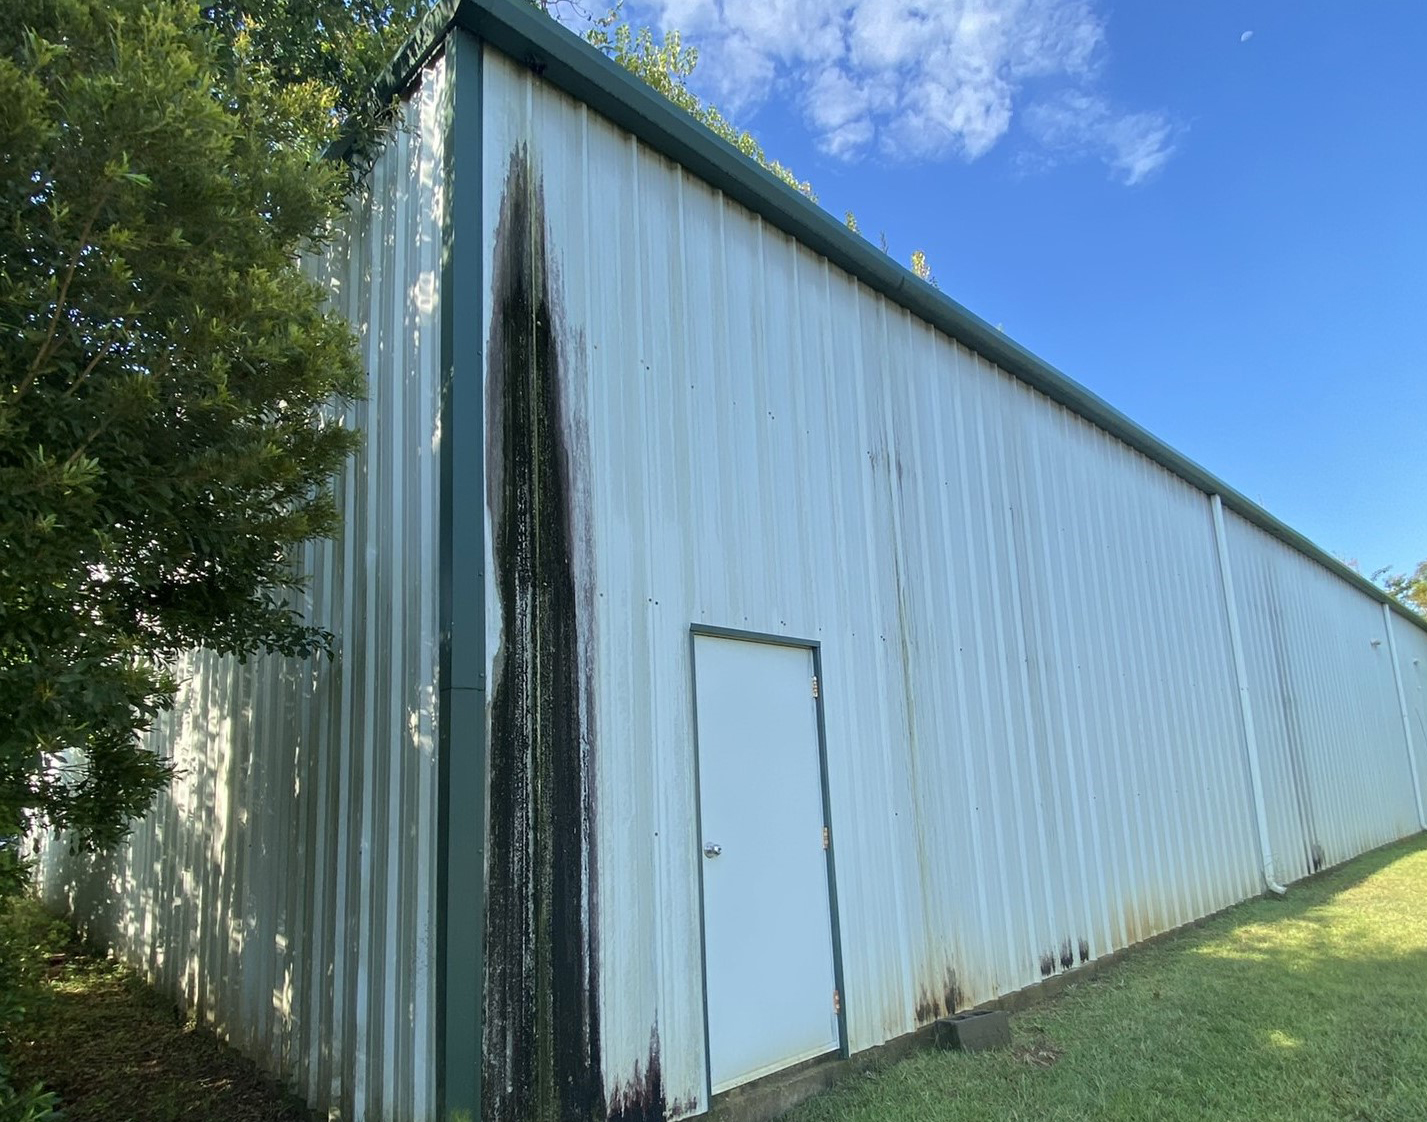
(1212, 214)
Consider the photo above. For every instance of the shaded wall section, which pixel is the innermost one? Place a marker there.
(283, 887)
(1034, 741)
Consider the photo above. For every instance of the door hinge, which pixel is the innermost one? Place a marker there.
(815, 685)
(826, 839)
(836, 1002)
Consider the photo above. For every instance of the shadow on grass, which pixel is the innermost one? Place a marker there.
(1313, 1007)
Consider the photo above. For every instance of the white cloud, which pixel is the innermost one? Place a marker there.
(912, 80)
(1134, 145)
(1246, 36)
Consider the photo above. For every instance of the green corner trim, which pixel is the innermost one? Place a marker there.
(461, 699)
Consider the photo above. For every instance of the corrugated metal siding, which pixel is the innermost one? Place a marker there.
(284, 886)
(1412, 659)
(1034, 739)
(1336, 772)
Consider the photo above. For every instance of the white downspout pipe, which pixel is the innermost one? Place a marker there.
(1402, 705)
(1246, 709)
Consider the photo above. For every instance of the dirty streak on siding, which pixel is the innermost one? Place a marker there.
(541, 1043)
(641, 1099)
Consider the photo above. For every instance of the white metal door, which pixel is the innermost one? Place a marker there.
(768, 956)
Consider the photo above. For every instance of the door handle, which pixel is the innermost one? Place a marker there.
(712, 849)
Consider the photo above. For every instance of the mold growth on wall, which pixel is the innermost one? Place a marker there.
(541, 1040)
(940, 1000)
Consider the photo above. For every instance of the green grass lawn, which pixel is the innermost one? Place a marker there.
(1309, 1007)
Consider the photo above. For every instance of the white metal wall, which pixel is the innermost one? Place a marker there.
(284, 886)
(1412, 659)
(1336, 773)
(1033, 732)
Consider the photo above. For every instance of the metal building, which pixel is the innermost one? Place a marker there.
(747, 655)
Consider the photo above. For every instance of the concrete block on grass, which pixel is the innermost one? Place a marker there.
(974, 1032)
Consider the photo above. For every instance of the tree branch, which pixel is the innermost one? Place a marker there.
(61, 298)
(88, 370)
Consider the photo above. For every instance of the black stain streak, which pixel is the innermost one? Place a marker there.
(1047, 965)
(934, 1002)
(542, 1041)
(1084, 949)
(642, 1098)
(953, 997)
(1067, 955)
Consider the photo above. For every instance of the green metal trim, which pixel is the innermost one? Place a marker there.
(461, 805)
(844, 1041)
(525, 33)
(768, 637)
(699, 841)
(420, 47)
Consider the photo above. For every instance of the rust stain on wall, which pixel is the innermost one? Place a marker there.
(941, 1000)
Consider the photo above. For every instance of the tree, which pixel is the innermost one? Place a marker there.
(1407, 588)
(165, 437)
(341, 46)
(166, 440)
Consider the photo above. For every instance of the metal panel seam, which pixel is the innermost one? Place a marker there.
(1406, 724)
(1226, 575)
